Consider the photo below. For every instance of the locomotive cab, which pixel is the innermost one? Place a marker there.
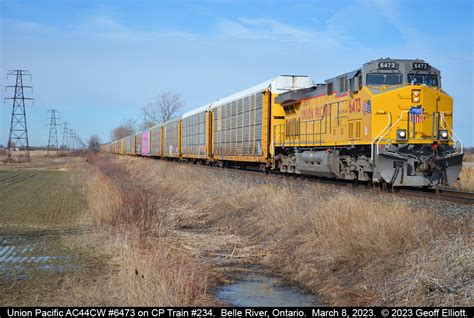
(413, 118)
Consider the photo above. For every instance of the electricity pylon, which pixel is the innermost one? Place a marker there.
(65, 136)
(53, 131)
(18, 137)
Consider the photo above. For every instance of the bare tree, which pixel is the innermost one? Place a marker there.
(165, 106)
(93, 143)
(127, 128)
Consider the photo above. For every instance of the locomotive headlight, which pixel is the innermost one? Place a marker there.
(415, 95)
(401, 134)
(443, 134)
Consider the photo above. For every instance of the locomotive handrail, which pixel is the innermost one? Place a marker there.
(380, 139)
(443, 120)
(274, 138)
(373, 141)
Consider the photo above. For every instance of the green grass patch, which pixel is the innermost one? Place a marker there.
(34, 200)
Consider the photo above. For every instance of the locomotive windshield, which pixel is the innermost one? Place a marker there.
(384, 79)
(427, 79)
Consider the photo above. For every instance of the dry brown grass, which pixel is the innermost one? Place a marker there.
(468, 156)
(351, 248)
(466, 179)
(132, 222)
(354, 251)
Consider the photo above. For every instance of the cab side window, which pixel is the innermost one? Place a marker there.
(329, 86)
(341, 84)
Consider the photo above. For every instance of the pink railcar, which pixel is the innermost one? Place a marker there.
(146, 143)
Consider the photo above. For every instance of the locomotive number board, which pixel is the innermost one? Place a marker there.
(420, 66)
(388, 66)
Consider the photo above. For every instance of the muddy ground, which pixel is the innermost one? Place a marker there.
(43, 217)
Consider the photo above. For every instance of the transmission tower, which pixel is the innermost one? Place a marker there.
(65, 135)
(53, 131)
(18, 137)
(72, 136)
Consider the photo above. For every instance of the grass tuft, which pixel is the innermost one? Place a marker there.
(132, 218)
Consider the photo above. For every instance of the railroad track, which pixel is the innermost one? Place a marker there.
(435, 194)
(457, 196)
(439, 194)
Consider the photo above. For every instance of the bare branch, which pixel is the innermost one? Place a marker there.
(93, 143)
(127, 128)
(166, 106)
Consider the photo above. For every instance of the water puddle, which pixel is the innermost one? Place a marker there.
(21, 258)
(261, 291)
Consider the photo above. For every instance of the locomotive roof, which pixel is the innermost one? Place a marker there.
(402, 65)
(383, 64)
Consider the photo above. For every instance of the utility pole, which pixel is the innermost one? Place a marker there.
(53, 131)
(18, 137)
(65, 135)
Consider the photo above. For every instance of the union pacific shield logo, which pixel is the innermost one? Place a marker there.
(417, 115)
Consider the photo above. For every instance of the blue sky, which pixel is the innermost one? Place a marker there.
(98, 62)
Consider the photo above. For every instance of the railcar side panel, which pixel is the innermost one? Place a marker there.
(132, 145)
(146, 143)
(193, 130)
(123, 146)
(156, 134)
(171, 139)
(239, 129)
(138, 144)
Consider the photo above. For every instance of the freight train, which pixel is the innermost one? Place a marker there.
(387, 122)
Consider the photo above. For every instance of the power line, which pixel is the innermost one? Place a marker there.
(18, 137)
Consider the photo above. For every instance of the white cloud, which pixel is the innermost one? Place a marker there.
(273, 30)
(109, 28)
(264, 29)
(25, 27)
(99, 26)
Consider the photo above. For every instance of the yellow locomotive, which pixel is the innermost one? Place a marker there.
(387, 122)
